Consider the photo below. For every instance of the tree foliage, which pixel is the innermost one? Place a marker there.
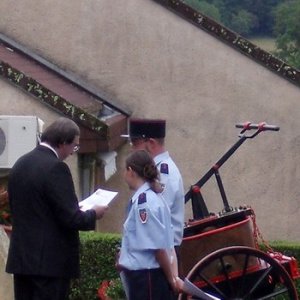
(247, 17)
(243, 22)
(209, 9)
(252, 18)
(287, 31)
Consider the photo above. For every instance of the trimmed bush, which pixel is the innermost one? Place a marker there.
(97, 263)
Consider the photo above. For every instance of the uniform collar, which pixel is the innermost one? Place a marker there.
(139, 191)
(160, 157)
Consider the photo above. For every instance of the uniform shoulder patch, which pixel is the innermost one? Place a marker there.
(142, 198)
(164, 168)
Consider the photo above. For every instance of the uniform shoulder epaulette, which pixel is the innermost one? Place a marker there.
(164, 168)
(142, 198)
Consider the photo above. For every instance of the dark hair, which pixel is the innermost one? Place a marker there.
(61, 131)
(141, 162)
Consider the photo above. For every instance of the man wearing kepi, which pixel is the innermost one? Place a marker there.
(44, 246)
(149, 134)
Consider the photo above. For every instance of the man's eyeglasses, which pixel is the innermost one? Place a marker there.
(76, 148)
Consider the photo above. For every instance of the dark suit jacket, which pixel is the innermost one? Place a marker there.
(46, 217)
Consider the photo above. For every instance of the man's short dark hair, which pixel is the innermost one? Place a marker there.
(61, 131)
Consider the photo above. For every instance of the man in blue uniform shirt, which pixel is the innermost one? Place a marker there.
(149, 135)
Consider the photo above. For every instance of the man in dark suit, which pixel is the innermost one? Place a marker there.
(44, 246)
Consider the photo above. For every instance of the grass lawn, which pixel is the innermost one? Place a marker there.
(266, 43)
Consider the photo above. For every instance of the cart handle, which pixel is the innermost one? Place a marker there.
(263, 126)
(214, 170)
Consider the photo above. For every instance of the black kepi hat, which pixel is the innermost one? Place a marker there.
(147, 128)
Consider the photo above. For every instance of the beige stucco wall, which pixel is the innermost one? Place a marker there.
(158, 65)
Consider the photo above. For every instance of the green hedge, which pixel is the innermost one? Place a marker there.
(97, 262)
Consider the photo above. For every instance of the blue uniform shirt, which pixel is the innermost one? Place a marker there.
(173, 192)
(146, 229)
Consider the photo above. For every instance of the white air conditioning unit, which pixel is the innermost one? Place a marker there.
(18, 135)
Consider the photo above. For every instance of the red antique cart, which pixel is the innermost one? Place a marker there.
(220, 253)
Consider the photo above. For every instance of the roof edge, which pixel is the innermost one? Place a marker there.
(233, 39)
(67, 75)
(37, 90)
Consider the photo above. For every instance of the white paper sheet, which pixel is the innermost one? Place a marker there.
(99, 197)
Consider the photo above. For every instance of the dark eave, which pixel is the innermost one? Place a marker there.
(101, 123)
(233, 39)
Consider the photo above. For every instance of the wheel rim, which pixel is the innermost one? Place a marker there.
(239, 272)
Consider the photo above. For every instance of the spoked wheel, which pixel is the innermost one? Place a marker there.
(241, 273)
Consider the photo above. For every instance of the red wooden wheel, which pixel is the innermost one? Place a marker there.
(241, 273)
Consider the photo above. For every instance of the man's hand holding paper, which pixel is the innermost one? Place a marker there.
(100, 210)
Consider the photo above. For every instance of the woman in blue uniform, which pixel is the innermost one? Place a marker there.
(145, 256)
